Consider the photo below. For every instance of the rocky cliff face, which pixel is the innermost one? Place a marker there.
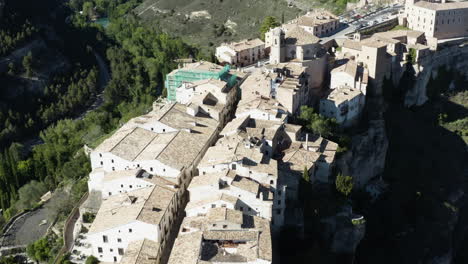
(366, 159)
(340, 234)
(2, 5)
(454, 57)
(423, 216)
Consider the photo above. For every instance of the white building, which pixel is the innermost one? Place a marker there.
(153, 142)
(226, 189)
(240, 165)
(262, 108)
(344, 104)
(144, 214)
(118, 182)
(350, 74)
(223, 236)
(240, 54)
(211, 97)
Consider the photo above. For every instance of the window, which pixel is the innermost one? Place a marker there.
(102, 163)
(279, 202)
(130, 230)
(130, 186)
(249, 209)
(151, 169)
(233, 166)
(100, 155)
(279, 193)
(224, 226)
(241, 208)
(111, 250)
(272, 182)
(105, 239)
(119, 240)
(121, 185)
(110, 193)
(99, 249)
(278, 211)
(115, 259)
(213, 206)
(112, 161)
(164, 130)
(113, 168)
(121, 251)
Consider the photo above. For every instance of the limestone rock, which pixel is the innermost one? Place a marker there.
(366, 159)
(343, 232)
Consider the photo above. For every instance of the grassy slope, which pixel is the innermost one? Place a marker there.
(457, 114)
(247, 14)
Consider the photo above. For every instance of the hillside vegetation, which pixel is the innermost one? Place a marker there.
(207, 23)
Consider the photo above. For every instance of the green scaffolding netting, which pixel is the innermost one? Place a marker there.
(176, 79)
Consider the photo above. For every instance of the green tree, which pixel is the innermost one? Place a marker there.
(316, 122)
(88, 9)
(39, 250)
(344, 184)
(92, 260)
(28, 64)
(30, 194)
(412, 56)
(268, 23)
(11, 68)
(305, 175)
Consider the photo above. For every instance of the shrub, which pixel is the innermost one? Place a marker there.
(344, 184)
(92, 260)
(88, 217)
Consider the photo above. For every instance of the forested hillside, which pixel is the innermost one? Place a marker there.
(207, 23)
(138, 58)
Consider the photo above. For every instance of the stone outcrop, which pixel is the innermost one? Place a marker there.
(366, 159)
(343, 232)
(454, 57)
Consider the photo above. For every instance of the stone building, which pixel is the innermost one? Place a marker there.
(223, 236)
(384, 54)
(437, 19)
(320, 23)
(292, 44)
(242, 53)
(288, 83)
(345, 104)
(211, 97)
(350, 74)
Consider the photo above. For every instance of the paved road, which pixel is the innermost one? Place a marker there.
(34, 225)
(379, 16)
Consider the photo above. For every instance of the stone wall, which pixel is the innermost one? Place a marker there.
(454, 57)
